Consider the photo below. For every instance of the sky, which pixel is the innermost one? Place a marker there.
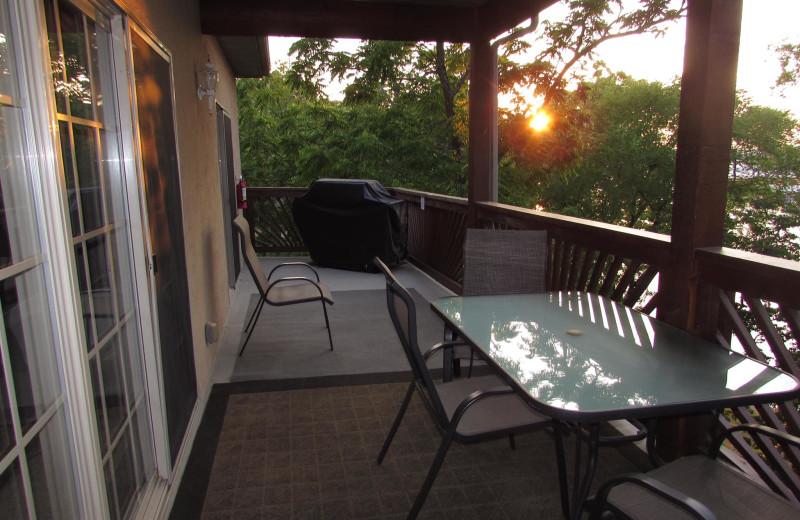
(764, 23)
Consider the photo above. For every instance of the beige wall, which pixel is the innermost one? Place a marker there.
(176, 25)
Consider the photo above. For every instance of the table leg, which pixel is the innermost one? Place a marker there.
(581, 486)
(447, 355)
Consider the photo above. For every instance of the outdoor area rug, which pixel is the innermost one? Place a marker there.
(292, 342)
(306, 449)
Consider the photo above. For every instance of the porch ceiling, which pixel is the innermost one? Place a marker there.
(404, 20)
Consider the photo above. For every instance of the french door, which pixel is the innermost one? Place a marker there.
(77, 434)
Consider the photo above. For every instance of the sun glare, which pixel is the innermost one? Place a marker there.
(540, 121)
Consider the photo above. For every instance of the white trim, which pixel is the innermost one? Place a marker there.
(141, 252)
(185, 451)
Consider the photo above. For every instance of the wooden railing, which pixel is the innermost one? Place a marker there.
(759, 295)
(272, 227)
(759, 301)
(616, 262)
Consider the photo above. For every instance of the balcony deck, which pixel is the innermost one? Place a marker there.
(293, 433)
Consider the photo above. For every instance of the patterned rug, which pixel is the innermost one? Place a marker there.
(306, 449)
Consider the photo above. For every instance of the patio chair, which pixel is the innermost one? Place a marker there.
(465, 410)
(504, 261)
(697, 486)
(501, 261)
(286, 290)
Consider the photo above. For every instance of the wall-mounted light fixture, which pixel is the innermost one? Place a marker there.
(208, 79)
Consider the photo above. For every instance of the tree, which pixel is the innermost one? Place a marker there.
(626, 175)
(289, 140)
(789, 58)
(572, 42)
(763, 206)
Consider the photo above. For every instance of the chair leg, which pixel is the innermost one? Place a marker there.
(327, 323)
(437, 464)
(253, 320)
(396, 424)
(255, 311)
(561, 463)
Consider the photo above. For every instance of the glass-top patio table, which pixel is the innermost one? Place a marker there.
(582, 358)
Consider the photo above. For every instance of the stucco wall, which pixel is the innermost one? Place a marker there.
(176, 25)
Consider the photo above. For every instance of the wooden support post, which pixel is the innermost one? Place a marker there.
(705, 131)
(482, 181)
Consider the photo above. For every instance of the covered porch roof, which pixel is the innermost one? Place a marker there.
(405, 20)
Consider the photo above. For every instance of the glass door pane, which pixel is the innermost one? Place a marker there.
(83, 72)
(37, 471)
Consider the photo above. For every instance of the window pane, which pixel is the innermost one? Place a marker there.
(97, 391)
(7, 427)
(83, 287)
(100, 285)
(122, 272)
(18, 236)
(11, 497)
(108, 470)
(88, 176)
(134, 376)
(91, 27)
(56, 57)
(123, 473)
(113, 387)
(76, 63)
(30, 345)
(69, 177)
(51, 473)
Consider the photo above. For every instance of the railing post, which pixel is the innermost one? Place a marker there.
(708, 89)
(482, 181)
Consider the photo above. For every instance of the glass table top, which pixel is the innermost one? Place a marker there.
(580, 356)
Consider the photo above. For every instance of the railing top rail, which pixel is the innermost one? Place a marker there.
(409, 195)
(266, 191)
(760, 276)
(575, 222)
(646, 246)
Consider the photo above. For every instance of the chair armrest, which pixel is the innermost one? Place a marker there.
(444, 344)
(476, 396)
(759, 429)
(687, 503)
(287, 264)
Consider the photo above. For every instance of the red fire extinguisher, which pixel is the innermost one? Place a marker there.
(241, 194)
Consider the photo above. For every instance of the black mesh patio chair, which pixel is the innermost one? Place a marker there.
(286, 290)
(465, 410)
(698, 486)
(501, 261)
(504, 261)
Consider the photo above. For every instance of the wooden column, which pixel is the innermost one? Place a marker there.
(482, 181)
(701, 176)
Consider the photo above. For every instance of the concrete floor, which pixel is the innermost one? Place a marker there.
(336, 279)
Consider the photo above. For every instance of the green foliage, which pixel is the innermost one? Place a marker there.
(625, 176)
(288, 141)
(571, 42)
(789, 58)
(763, 205)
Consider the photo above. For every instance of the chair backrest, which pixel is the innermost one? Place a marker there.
(504, 261)
(404, 318)
(242, 227)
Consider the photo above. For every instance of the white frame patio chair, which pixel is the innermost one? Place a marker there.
(287, 290)
(466, 410)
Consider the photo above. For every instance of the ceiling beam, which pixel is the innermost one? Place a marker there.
(340, 19)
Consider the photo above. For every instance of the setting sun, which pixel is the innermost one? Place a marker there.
(540, 121)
